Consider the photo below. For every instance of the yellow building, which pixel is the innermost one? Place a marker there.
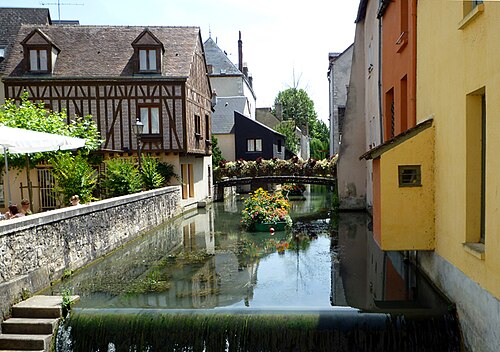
(453, 216)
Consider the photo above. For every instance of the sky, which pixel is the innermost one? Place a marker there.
(285, 42)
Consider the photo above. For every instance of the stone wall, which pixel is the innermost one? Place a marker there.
(37, 249)
(478, 311)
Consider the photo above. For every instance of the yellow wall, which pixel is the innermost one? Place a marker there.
(454, 65)
(407, 213)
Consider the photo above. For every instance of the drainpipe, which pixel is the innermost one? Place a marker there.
(380, 75)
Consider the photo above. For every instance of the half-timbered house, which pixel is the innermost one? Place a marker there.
(119, 74)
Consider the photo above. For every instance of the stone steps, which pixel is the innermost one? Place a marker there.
(25, 342)
(29, 325)
(32, 324)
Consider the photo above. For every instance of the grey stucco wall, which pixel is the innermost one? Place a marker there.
(37, 249)
(478, 311)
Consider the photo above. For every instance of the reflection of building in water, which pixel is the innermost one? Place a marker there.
(204, 288)
(374, 280)
(198, 232)
(230, 204)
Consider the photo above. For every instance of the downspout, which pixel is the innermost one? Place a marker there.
(380, 75)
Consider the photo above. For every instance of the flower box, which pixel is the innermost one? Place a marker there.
(265, 226)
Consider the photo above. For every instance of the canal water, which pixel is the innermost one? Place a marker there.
(202, 283)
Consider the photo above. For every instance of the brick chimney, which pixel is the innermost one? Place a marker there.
(240, 53)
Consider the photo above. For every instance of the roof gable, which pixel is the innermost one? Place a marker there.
(146, 38)
(37, 37)
(223, 115)
(221, 65)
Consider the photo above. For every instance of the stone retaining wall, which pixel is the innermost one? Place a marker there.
(37, 249)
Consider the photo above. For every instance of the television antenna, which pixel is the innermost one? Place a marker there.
(59, 3)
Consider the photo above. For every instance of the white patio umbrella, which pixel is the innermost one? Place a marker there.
(21, 141)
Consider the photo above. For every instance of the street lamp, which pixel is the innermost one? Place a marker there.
(138, 127)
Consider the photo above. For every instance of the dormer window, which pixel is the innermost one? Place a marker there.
(38, 60)
(40, 52)
(148, 51)
(2, 52)
(148, 60)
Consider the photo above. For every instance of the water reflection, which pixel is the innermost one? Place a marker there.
(377, 281)
(206, 260)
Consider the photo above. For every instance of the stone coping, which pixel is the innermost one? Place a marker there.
(47, 217)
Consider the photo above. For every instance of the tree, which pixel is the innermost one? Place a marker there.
(287, 128)
(216, 152)
(296, 106)
(33, 116)
(320, 140)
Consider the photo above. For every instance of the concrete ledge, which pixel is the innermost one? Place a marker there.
(476, 249)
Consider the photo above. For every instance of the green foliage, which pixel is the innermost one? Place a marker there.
(296, 106)
(33, 116)
(122, 177)
(73, 175)
(151, 176)
(25, 294)
(319, 149)
(320, 142)
(216, 152)
(167, 171)
(67, 302)
(292, 141)
(263, 207)
(276, 167)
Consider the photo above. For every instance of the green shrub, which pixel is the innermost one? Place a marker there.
(121, 177)
(167, 171)
(73, 175)
(151, 176)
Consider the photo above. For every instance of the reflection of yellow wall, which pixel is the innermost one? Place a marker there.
(226, 144)
(407, 221)
(457, 60)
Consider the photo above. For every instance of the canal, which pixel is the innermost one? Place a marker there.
(207, 277)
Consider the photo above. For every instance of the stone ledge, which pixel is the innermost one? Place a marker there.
(44, 218)
(475, 248)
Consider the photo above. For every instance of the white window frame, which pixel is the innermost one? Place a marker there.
(254, 145)
(150, 120)
(39, 60)
(148, 60)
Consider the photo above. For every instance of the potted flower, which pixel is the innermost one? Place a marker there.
(264, 211)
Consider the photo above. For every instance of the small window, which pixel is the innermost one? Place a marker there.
(469, 5)
(38, 60)
(207, 127)
(254, 145)
(148, 60)
(2, 52)
(197, 125)
(150, 117)
(279, 145)
(410, 176)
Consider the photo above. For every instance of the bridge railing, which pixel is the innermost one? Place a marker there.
(276, 167)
